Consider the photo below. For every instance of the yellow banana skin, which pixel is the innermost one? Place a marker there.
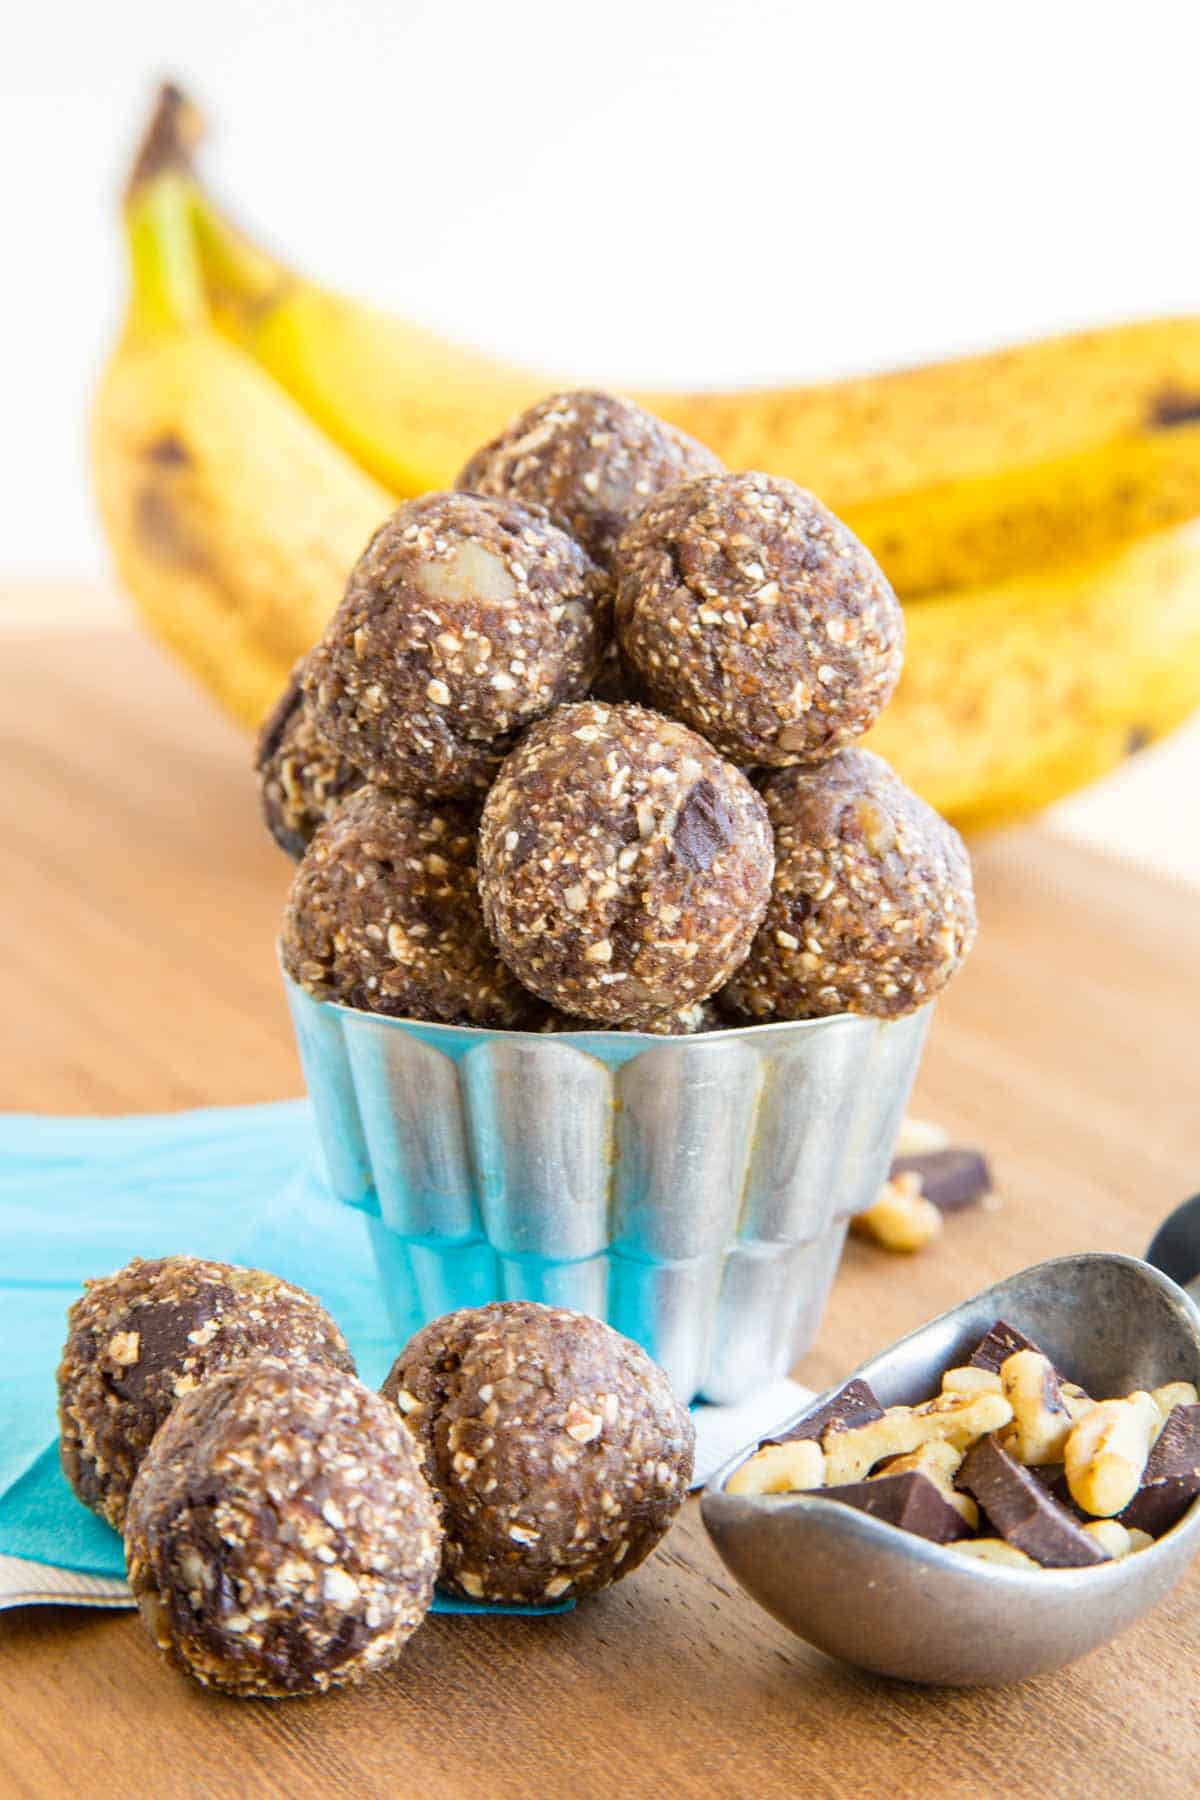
(233, 522)
(1016, 693)
(232, 519)
(955, 474)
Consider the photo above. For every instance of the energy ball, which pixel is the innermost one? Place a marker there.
(463, 621)
(301, 777)
(686, 1021)
(558, 1451)
(384, 915)
(623, 865)
(592, 460)
(747, 610)
(140, 1340)
(872, 907)
(281, 1537)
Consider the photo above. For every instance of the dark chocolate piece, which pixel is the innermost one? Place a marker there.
(1053, 1478)
(1023, 1511)
(910, 1501)
(1172, 1476)
(704, 827)
(953, 1179)
(1001, 1342)
(855, 1404)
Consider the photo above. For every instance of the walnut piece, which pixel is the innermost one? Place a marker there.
(901, 1219)
(791, 1468)
(1106, 1452)
(1041, 1422)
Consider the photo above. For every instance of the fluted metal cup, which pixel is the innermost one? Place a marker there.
(694, 1192)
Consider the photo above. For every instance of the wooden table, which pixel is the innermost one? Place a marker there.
(141, 901)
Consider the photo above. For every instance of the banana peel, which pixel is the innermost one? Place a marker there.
(232, 520)
(1017, 693)
(954, 475)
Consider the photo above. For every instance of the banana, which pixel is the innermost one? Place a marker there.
(233, 520)
(955, 474)
(235, 516)
(1018, 692)
(408, 406)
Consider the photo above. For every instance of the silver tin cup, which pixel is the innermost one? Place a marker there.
(694, 1191)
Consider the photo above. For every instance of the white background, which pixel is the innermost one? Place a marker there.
(686, 191)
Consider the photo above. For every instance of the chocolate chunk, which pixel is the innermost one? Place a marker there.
(1053, 1478)
(703, 828)
(855, 1404)
(1001, 1342)
(952, 1179)
(910, 1501)
(1023, 1511)
(1172, 1476)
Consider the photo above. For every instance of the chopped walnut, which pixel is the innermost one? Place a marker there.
(790, 1468)
(901, 1219)
(1106, 1453)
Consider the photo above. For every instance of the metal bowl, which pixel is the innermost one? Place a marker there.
(694, 1192)
(896, 1604)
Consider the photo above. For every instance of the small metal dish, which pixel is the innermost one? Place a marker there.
(693, 1191)
(896, 1604)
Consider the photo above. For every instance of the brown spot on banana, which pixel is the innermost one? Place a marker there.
(162, 529)
(1174, 406)
(169, 452)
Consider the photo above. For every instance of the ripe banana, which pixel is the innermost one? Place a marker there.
(1018, 692)
(235, 512)
(233, 521)
(955, 474)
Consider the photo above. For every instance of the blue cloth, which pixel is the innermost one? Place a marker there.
(79, 1197)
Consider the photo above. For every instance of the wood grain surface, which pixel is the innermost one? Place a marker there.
(140, 905)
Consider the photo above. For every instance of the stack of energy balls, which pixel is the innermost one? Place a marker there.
(284, 1524)
(578, 749)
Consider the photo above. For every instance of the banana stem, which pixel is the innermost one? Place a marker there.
(167, 284)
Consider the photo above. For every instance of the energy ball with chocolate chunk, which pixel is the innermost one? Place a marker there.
(281, 1537)
(747, 610)
(301, 778)
(384, 915)
(623, 865)
(558, 1450)
(592, 460)
(464, 620)
(140, 1340)
(872, 908)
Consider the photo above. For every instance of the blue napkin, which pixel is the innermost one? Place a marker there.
(79, 1197)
